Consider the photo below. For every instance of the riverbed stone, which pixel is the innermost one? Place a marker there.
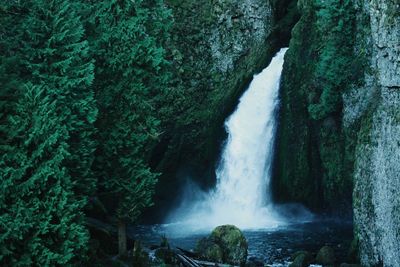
(326, 256)
(226, 244)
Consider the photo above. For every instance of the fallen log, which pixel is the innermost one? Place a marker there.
(186, 261)
(213, 264)
(188, 253)
(189, 262)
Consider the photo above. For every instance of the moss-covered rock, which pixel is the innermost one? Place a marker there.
(226, 244)
(326, 256)
(314, 153)
(301, 259)
(209, 250)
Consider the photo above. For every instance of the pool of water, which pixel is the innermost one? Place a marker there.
(271, 246)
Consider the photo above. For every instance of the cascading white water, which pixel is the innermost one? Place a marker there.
(242, 193)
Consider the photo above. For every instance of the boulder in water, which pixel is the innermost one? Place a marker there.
(226, 244)
(326, 256)
(209, 250)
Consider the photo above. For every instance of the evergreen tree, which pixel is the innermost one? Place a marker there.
(40, 218)
(45, 172)
(129, 73)
(10, 19)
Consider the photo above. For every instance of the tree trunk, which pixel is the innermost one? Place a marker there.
(122, 250)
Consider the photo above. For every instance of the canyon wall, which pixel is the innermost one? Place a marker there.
(376, 104)
(338, 147)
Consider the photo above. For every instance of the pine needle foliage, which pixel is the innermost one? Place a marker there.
(130, 72)
(80, 83)
(45, 172)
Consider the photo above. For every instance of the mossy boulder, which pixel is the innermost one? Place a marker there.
(326, 256)
(226, 244)
(301, 259)
(209, 250)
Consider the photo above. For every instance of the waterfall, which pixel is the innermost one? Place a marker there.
(242, 196)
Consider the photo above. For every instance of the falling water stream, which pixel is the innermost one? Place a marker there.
(242, 196)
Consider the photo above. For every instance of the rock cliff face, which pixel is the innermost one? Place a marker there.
(340, 119)
(216, 46)
(377, 165)
(314, 152)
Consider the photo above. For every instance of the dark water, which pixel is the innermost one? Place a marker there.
(272, 246)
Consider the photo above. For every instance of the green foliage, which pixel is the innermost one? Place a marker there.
(40, 218)
(9, 65)
(48, 111)
(334, 25)
(129, 73)
(45, 172)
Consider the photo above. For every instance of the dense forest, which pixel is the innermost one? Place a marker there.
(81, 88)
(108, 108)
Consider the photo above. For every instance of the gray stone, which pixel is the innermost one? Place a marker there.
(377, 167)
